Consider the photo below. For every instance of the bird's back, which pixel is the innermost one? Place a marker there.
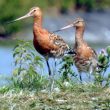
(49, 44)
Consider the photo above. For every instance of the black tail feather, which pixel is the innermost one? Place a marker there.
(70, 52)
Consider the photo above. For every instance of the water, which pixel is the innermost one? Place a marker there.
(6, 60)
(97, 34)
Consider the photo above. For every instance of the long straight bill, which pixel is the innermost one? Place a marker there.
(20, 18)
(63, 28)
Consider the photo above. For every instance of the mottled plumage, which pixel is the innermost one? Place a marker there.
(85, 58)
(62, 46)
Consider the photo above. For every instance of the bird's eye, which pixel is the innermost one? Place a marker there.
(33, 11)
(76, 22)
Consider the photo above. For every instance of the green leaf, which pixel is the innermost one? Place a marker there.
(28, 57)
(15, 72)
(101, 57)
(15, 53)
(108, 50)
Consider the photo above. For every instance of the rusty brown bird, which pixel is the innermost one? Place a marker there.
(85, 58)
(47, 44)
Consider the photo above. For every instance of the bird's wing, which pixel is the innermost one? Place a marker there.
(62, 47)
(94, 53)
(58, 41)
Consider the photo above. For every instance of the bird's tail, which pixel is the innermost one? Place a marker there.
(70, 51)
(100, 65)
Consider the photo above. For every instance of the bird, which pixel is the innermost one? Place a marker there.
(47, 44)
(85, 58)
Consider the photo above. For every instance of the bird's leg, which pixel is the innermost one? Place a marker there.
(91, 69)
(54, 71)
(55, 66)
(48, 68)
(80, 76)
(50, 76)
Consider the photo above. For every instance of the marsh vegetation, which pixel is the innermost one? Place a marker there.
(27, 89)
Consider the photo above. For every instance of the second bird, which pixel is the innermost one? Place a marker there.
(85, 58)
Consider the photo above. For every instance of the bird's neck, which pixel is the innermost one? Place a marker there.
(38, 22)
(37, 27)
(79, 35)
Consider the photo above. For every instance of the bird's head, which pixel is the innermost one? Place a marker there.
(34, 12)
(79, 22)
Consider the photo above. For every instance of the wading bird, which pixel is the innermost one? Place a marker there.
(85, 58)
(47, 44)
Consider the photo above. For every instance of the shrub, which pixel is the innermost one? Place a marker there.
(26, 75)
(66, 69)
(101, 76)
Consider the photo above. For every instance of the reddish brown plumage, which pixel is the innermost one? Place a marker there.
(41, 41)
(44, 42)
(85, 58)
(47, 44)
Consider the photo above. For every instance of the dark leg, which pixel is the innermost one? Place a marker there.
(80, 77)
(48, 67)
(55, 60)
(50, 78)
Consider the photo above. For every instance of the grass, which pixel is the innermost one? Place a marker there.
(76, 97)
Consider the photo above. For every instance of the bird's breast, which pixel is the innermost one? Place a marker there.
(82, 64)
(41, 46)
(83, 57)
(42, 42)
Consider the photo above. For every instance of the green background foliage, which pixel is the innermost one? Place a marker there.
(11, 9)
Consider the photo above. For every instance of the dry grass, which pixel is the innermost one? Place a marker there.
(74, 98)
